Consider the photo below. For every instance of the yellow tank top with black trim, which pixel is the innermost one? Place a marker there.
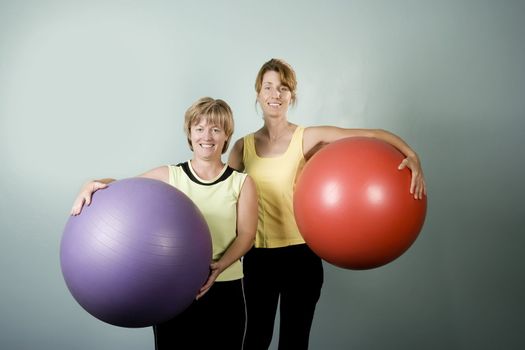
(217, 200)
(275, 181)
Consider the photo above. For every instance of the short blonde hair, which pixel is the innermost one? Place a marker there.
(285, 71)
(214, 111)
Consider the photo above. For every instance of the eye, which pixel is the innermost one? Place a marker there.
(284, 89)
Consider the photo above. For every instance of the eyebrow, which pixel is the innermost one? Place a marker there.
(208, 124)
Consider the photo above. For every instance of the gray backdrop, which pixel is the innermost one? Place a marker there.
(99, 88)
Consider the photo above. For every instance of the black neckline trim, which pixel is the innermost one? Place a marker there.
(186, 168)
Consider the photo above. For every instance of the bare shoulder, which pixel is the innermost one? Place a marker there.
(249, 191)
(314, 134)
(235, 157)
(249, 182)
(312, 140)
(238, 148)
(239, 144)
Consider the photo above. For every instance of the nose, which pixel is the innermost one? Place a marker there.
(208, 134)
(276, 93)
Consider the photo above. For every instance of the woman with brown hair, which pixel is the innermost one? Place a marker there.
(281, 267)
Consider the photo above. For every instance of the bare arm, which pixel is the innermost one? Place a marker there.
(315, 136)
(246, 227)
(161, 173)
(235, 158)
(86, 193)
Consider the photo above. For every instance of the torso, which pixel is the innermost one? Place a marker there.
(217, 200)
(274, 167)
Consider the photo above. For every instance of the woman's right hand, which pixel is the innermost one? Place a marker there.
(84, 197)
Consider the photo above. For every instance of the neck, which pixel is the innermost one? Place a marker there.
(275, 127)
(207, 169)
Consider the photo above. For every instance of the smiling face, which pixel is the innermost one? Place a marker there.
(274, 96)
(276, 87)
(207, 139)
(211, 117)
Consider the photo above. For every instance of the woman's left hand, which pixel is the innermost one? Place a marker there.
(417, 184)
(214, 272)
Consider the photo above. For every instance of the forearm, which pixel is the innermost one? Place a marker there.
(313, 136)
(411, 161)
(394, 140)
(239, 247)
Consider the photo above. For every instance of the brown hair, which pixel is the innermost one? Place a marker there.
(214, 111)
(285, 71)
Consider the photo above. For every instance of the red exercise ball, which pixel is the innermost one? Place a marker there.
(353, 206)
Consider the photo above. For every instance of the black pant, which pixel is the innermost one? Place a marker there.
(215, 321)
(295, 275)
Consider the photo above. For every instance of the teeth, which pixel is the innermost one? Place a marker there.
(206, 146)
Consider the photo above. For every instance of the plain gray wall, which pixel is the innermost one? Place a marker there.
(99, 88)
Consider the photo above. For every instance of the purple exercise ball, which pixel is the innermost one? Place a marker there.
(138, 255)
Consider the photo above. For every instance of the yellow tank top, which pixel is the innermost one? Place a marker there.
(217, 200)
(275, 181)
